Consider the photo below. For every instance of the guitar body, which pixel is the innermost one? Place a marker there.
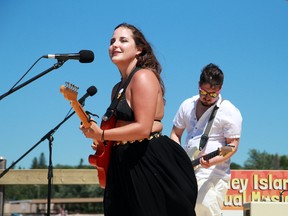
(101, 158)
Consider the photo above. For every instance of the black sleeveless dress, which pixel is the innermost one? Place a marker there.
(149, 178)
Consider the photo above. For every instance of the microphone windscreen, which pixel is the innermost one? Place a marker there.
(92, 90)
(86, 56)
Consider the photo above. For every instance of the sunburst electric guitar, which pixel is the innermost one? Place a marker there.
(101, 158)
(223, 151)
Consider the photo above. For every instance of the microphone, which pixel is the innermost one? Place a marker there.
(92, 90)
(84, 56)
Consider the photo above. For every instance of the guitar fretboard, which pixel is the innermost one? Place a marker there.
(196, 162)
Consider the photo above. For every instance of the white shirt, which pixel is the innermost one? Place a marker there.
(227, 124)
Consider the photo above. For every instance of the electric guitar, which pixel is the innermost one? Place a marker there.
(224, 150)
(100, 160)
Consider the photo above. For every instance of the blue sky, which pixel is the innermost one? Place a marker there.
(247, 39)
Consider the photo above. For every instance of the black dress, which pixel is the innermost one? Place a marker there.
(150, 178)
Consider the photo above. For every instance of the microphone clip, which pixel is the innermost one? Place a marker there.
(91, 114)
(59, 63)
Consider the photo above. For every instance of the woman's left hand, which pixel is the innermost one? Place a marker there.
(93, 132)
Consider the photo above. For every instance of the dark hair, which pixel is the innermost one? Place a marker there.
(147, 58)
(213, 75)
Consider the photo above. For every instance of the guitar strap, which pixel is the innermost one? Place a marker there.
(205, 135)
(117, 97)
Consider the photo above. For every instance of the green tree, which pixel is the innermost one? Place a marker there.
(284, 162)
(39, 163)
(235, 166)
(34, 163)
(264, 161)
(42, 161)
(81, 163)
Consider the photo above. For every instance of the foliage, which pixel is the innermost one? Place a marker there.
(264, 161)
(39, 163)
(235, 166)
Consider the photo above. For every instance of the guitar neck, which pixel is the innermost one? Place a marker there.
(196, 162)
(81, 113)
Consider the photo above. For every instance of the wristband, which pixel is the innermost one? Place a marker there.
(102, 136)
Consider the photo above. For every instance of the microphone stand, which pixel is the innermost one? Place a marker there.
(50, 138)
(55, 66)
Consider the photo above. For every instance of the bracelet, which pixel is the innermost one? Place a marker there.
(102, 136)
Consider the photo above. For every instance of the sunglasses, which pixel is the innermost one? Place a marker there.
(210, 94)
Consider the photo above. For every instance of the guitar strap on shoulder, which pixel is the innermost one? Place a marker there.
(118, 96)
(205, 135)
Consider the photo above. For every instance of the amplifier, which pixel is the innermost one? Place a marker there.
(265, 209)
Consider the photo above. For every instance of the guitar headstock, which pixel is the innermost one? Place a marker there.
(70, 91)
(224, 150)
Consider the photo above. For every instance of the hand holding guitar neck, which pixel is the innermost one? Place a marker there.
(223, 151)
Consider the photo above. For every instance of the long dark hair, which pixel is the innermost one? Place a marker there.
(147, 58)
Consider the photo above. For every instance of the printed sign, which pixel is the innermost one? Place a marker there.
(254, 186)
